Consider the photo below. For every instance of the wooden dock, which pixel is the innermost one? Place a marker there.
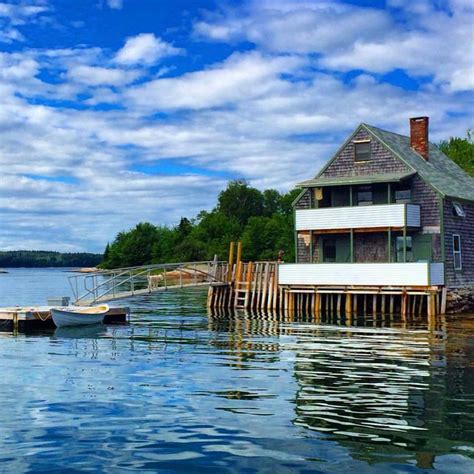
(255, 286)
(24, 319)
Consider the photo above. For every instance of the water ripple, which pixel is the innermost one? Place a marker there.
(182, 390)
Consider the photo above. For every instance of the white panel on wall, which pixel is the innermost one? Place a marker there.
(437, 274)
(413, 215)
(366, 274)
(356, 217)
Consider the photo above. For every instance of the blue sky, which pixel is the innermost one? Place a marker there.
(118, 111)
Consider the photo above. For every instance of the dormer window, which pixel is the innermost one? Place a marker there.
(362, 151)
(458, 210)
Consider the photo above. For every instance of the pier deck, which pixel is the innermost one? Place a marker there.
(39, 317)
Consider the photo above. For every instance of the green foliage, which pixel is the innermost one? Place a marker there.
(461, 151)
(262, 220)
(240, 202)
(133, 248)
(35, 259)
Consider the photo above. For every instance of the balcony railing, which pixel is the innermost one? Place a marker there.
(362, 274)
(359, 217)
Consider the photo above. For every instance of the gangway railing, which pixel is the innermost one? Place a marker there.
(108, 285)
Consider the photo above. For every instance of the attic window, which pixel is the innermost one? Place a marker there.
(362, 151)
(458, 210)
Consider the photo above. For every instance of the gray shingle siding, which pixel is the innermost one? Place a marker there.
(464, 226)
(304, 202)
(382, 160)
(371, 247)
(429, 202)
(303, 249)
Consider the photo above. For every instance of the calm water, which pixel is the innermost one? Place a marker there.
(180, 391)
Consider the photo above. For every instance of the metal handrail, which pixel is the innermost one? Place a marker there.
(132, 274)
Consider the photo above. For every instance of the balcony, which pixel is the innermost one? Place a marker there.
(359, 217)
(362, 274)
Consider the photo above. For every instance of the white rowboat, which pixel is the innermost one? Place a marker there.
(79, 316)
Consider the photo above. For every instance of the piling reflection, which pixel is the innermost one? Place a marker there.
(387, 389)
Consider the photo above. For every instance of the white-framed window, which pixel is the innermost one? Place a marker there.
(457, 252)
(458, 210)
(362, 151)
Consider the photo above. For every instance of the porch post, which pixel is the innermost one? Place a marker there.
(405, 244)
(310, 246)
(389, 193)
(352, 245)
(389, 245)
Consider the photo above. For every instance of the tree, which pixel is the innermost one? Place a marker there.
(215, 230)
(271, 202)
(263, 221)
(134, 247)
(461, 151)
(239, 201)
(185, 226)
(287, 201)
(107, 251)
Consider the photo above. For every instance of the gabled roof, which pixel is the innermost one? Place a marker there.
(440, 172)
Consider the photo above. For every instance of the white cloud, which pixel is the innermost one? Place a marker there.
(98, 76)
(15, 15)
(16, 67)
(239, 78)
(422, 39)
(269, 115)
(115, 4)
(145, 48)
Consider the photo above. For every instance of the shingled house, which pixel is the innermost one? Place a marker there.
(386, 210)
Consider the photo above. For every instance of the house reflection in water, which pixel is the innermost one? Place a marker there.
(385, 390)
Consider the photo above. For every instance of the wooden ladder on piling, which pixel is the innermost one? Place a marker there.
(241, 295)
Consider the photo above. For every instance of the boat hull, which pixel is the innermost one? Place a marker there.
(64, 317)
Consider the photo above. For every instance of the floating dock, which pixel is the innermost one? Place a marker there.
(24, 319)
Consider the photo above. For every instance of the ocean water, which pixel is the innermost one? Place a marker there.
(181, 390)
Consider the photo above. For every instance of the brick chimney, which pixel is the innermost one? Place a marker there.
(419, 136)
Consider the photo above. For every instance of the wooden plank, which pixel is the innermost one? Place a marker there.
(275, 286)
(249, 283)
(264, 286)
(317, 305)
(348, 304)
(444, 296)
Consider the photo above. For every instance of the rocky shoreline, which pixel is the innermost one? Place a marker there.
(460, 300)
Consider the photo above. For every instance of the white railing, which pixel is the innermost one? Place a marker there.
(358, 217)
(362, 274)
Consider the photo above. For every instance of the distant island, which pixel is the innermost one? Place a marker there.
(40, 258)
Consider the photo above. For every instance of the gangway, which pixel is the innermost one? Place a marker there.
(109, 285)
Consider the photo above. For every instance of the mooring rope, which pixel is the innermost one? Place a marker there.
(37, 314)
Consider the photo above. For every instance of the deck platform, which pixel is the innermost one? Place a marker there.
(30, 318)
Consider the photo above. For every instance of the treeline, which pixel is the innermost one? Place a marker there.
(38, 258)
(263, 221)
(461, 151)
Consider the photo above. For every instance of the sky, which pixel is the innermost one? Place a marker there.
(114, 112)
